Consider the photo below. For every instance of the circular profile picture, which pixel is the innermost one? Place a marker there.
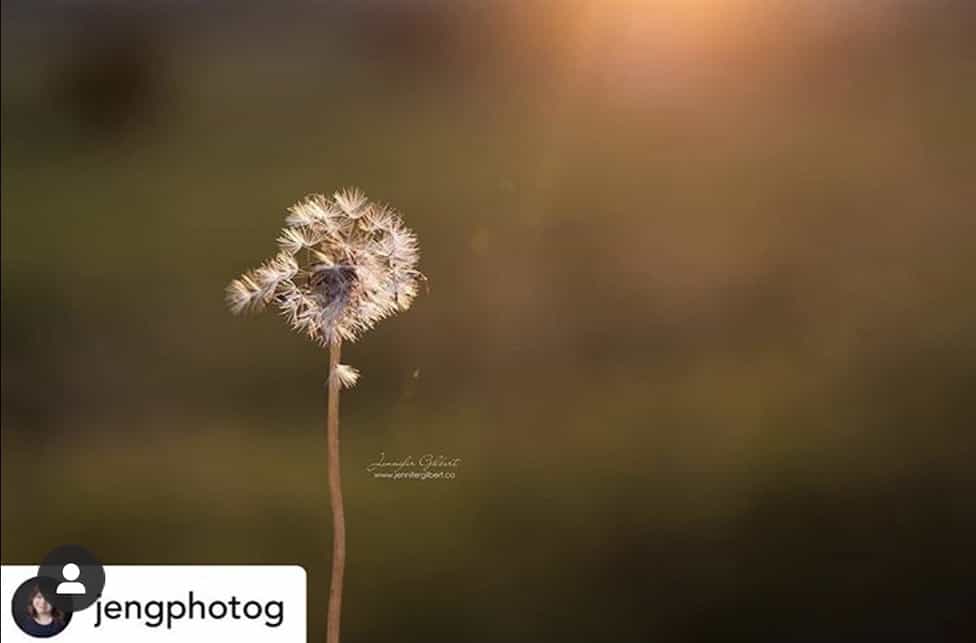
(33, 614)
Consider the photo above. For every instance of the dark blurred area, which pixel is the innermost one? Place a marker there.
(700, 325)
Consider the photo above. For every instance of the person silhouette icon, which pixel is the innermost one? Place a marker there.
(75, 578)
(71, 585)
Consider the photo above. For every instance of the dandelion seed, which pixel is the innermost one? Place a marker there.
(242, 294)
(301, 214)
(293, 240)
(347, 375)
(321, 259)
(351, 202)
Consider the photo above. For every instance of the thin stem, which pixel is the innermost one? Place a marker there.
(335, 497)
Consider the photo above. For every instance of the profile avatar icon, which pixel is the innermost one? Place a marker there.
(76, 578)
(32, 612)
(71, 584)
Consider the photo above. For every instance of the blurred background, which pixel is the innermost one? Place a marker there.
(700, 325)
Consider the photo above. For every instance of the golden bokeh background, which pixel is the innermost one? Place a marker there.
(700, 324)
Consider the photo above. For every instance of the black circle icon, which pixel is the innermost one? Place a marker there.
(33, 613)
(78, 578)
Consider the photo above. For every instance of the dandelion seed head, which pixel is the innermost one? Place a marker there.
(343, 265)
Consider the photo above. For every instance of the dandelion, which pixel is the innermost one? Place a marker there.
(344, 263)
